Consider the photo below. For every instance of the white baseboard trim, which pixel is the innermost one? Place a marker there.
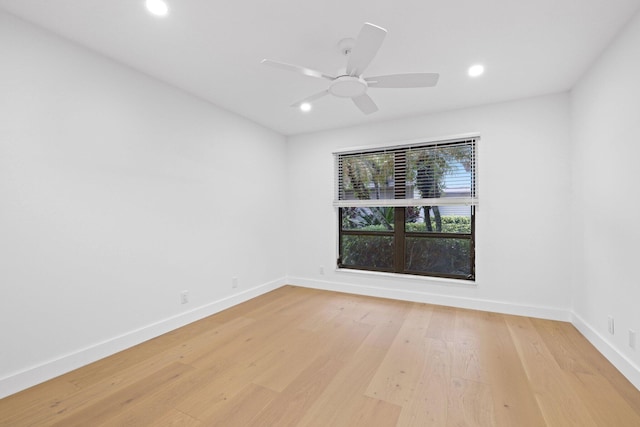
(627, 367)
(550, 313)
(37, 374)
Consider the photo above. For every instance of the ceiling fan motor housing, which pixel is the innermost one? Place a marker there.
(348, 86)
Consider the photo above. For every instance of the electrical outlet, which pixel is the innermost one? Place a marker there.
(632, 338)
(322, 269)
(184, 297)
(611, 325)
(234, 282)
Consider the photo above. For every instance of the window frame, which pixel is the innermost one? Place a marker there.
(399, 232)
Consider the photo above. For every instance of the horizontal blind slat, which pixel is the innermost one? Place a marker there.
(434, 173)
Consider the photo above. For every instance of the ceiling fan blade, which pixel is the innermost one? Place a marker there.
(311, 98)
(404, 80)
(365, 104)
(367, 44)
(297, 69)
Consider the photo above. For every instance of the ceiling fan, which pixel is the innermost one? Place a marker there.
(351, 83)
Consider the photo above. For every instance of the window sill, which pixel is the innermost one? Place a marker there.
(444, 281)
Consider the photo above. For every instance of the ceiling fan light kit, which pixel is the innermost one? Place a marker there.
(360, 52)
(347, 86)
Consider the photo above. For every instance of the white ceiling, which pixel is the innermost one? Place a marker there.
(213, 49)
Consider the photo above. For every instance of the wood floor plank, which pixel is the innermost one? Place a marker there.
(297, 348)
(95, 385)
(514, 402)
(193, 348)
(344, 397)
(35, 403)
(328, 308)
(152, 406)
(373, 311)
(307, 358)
(603, 400)
(100, 411)
(467, 326)
(295, 351)
(115, 364)
(173, 418)
(594, 362)
(470, 404)
(368, 412)
(243, 409)
(207, 398)
(299, 396)
(427, 404)
(442, 324)
(467, 363)
(42, 411)
(245, 341)
(604, 404)
(558, 401)
(401, 369)
(291, 405)
(254, 352)
(234, 366)
(267, 304)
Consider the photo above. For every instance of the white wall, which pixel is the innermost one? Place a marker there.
(606, 147)
(522, 224)
(116, 193)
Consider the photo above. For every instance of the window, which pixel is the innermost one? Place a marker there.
(408, 209)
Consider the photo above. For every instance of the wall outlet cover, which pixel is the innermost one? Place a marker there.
(611, 327)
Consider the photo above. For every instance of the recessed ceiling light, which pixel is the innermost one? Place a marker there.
(305, 106)
(157, 7)
(476, 70)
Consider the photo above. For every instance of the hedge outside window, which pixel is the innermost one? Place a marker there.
(409, 209)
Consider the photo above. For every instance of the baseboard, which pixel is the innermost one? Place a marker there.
(629, 369)
(74, 360)
(550, 313)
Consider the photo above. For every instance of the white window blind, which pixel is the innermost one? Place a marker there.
(427, 174)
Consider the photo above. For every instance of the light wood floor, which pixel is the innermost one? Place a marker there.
(301, 357)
